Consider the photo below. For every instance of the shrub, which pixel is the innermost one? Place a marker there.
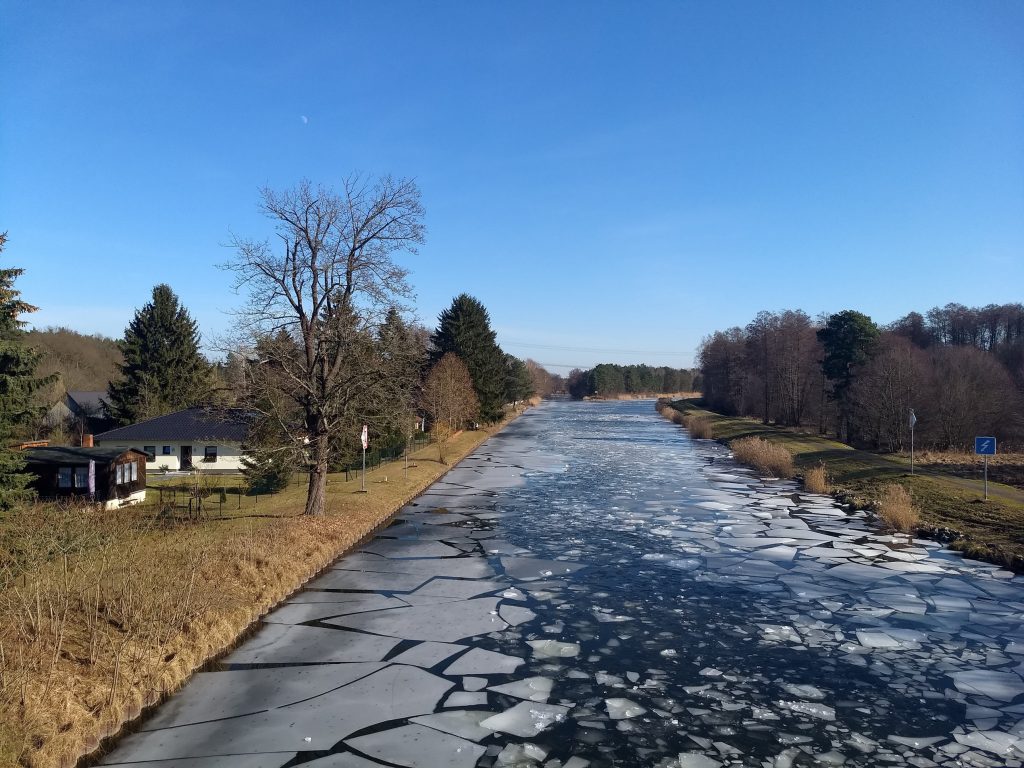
(896, 509)
(763, 455)
(816, 480)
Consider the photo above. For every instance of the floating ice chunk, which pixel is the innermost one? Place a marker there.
(416, 746)
(526, 719)
(518, 755)
(466, 699)
(696, 760)
(516, 615)
(480, 662)
(996, 742)
(891, 639)
(623, 709)
(1002, 686)
(916, 742)
(553, 649)
(808, 692)
(532, 688)
(464, 723)
(820, 711)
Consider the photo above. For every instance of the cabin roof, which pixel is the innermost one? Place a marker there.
(70, 455)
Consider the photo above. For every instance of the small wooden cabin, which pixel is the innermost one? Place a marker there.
(113, 477)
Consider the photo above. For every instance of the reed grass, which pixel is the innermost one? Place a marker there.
(896, 509)
(766, 456)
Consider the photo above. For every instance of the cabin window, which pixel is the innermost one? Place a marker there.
(150, 451)
(64, 477)
(210, 453)
(167, 450)
(132, 469)
(81, 477)
(119, 474)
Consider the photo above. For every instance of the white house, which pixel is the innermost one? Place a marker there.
(206, 439)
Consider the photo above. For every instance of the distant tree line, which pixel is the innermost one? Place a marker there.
(611, 380)
(960, 369)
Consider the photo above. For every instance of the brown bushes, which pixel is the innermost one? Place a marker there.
(896, 509)
(816, 479)
(765, 456)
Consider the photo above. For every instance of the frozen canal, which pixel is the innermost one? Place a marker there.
(592, 588)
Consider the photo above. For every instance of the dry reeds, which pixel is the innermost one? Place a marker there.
(765, 456)
(699, 426)
(896, 509)
(816, 480)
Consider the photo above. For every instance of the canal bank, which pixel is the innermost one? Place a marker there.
(590, 587)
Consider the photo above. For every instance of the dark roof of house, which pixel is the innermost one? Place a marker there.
(225, 424)
(89, 402)
(67, 455)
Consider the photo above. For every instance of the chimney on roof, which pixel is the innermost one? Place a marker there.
(87, 441)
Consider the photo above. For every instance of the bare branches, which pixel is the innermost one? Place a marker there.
(316, 292)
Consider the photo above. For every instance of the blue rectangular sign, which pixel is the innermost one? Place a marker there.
(985, 446)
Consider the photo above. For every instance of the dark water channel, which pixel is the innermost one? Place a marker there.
(594, 588)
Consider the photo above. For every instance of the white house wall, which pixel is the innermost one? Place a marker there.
(229, 456)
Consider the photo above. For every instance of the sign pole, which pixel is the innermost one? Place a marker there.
(364, 438)
(913, 421)
(985, 447)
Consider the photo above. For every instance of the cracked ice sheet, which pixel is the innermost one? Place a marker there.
(286, 644)
(393, 692)
(416, 746)
(217, 695)
(456, 621)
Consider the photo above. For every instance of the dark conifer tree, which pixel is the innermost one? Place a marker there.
(163, 369)
(18, 382)
(464, 329)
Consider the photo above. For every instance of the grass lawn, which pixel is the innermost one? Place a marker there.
(105, 613)
(951, 506)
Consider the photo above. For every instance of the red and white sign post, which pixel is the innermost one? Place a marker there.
(365, 440)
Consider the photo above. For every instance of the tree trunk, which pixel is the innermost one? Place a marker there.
(316, 494)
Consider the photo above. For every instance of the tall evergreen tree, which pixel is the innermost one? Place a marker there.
(18, 382)
(849, 340)
(163, 369)
(518, 382)
(464, 329)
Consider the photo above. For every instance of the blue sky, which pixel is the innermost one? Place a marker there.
(612, 180)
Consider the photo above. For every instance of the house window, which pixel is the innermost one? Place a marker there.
(133, 468)
(210, 453)
(119, 474)
(64, 477)
(167, 450)
(81, 477)
(150, 451)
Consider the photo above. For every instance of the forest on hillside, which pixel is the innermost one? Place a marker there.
(961, 370)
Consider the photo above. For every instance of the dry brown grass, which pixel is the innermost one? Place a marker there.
(105, 613)
(766, 456)
(816, 480)
(896, 509)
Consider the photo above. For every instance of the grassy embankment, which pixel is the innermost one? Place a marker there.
(950, 507)
(104, 614)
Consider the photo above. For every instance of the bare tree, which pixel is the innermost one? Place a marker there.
(326, 284)
(449, 398)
